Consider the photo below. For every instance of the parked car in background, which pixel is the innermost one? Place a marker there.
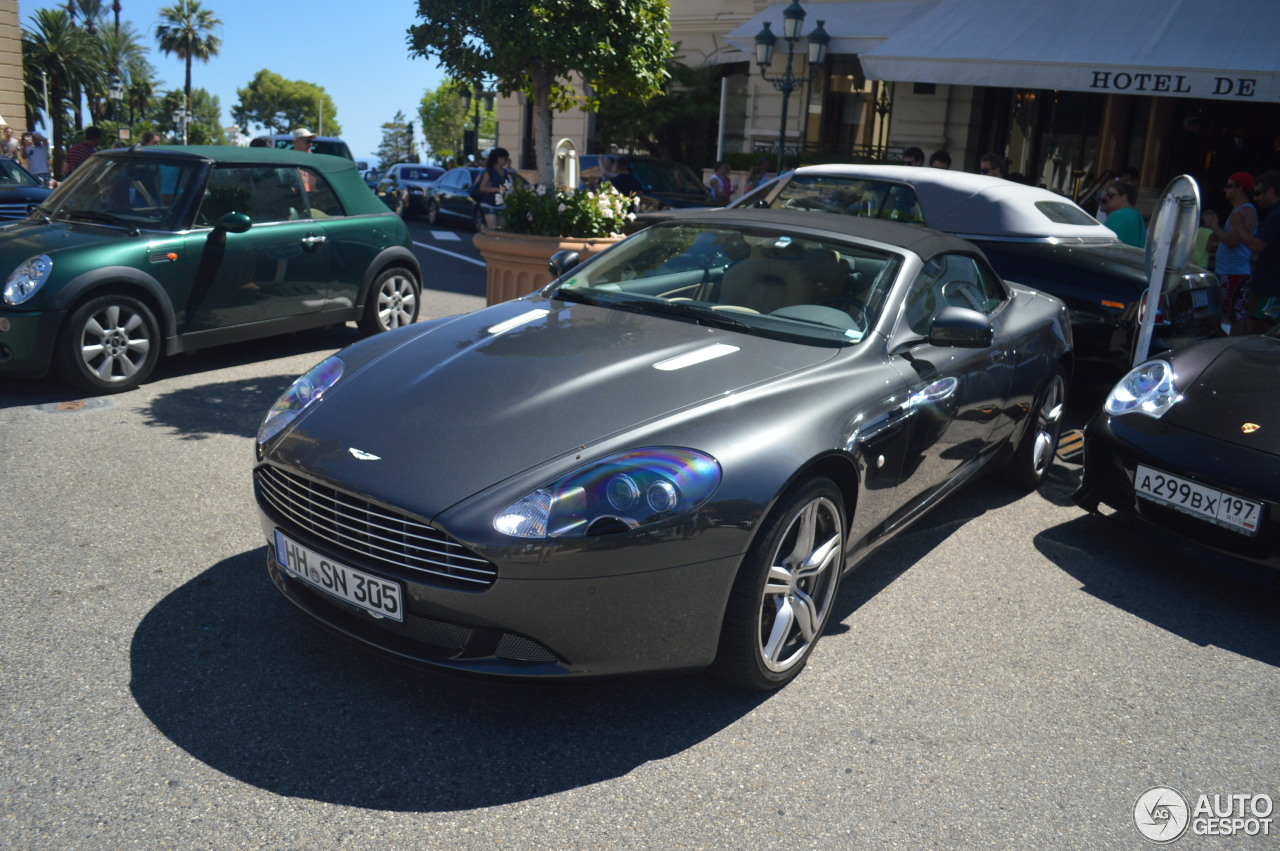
(20, 192)
(406, 187)
(666, 459)
(1187, 446)
(1030, 235)
(665, 184)
(451, 201)
(160, 250)
(331, 145)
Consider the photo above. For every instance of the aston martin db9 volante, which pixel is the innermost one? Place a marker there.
(1188, 445)
(664, 460)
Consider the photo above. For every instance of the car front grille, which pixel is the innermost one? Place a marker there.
(383, 537)
(12, 212)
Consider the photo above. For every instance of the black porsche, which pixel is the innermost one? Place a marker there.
(1188, 445)
(664, 460)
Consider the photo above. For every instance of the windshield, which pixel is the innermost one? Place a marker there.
(11, 173)
(852, 196)
(128, 191)
(666, 177)
(752, 280)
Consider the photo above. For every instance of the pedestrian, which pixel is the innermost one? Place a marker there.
(721, 184)
(940, 159)
(1122, 216)
(623, 180)
(993, 165)
(81, 151)
(913, 156)
(1231, 261)
(37, 154)
(9, 146)
(260, 142)
(1263, 287)
(150, 138)
(758, 176)
(303, 139)
(490, 184)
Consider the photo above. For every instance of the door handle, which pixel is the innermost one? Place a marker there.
(311, 240)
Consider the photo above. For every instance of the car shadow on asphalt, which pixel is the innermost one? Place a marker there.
(229, 407)
(1209, 603)
(228, 670)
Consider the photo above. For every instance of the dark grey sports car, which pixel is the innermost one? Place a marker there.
(666, 459)
(1188, 445)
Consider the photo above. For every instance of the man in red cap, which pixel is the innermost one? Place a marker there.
(1231, 263)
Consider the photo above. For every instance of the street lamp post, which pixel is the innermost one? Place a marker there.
(116, 92)
(472, 146)
(792, 20)
(181, 115)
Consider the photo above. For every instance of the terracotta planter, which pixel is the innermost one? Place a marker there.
(517, 262)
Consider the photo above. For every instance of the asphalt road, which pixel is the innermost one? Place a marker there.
(1011, 673)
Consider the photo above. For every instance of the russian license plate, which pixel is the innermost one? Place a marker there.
(1228, 511)
(375, 595)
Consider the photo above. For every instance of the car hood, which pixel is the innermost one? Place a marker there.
(28, 238)
(465, 405)
(1240, 386)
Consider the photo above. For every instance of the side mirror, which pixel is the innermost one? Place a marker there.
(235, 223)
(361, 165)
(562, 261)
(961, 327)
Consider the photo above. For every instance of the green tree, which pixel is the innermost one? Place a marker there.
(397, 142)
(186, 30)
(443, 120)
(205, 125)
(68, 56)
(680, 124)
(618, 48)
(279, 105)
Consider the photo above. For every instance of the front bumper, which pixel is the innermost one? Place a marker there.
(1114, 446)
(659, 620)
(26, 341)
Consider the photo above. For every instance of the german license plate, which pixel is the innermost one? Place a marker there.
(1199, 298)
(1224, 509)
(375, 595)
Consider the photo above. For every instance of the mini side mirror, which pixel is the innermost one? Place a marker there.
(961, 327)
(235, 223)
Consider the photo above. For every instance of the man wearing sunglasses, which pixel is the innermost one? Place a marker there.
(1263, 286)
(1231, 262)
(1122, 217)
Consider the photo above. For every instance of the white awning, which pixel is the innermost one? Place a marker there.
(1174, 48)
(855, 26)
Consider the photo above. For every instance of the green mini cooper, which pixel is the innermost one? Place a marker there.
(155, 250)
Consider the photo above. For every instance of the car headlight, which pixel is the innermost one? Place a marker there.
(1148, 389)
(619, 493)
(27, 278)
(307, 389)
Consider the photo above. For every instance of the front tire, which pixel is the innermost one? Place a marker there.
(785, 589)
(110, 344)
(394, 301)
(1038, 446)
(433, 211)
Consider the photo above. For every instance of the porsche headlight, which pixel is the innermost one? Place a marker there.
(27, 278)
(619, 493)
(307, 389)
(1147, 389)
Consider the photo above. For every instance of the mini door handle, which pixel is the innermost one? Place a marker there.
(311, 240)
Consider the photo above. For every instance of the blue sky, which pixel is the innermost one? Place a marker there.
(355, 51)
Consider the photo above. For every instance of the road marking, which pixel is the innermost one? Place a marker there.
(449, 253)
(445, 236)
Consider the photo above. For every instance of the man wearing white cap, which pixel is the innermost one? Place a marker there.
(302, 139)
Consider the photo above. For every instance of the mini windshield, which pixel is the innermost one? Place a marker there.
(129, 192)
(13, 174)
(852, 196)
(751, 280)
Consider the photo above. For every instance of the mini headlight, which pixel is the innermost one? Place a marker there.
(1148, 389)
(307, 389)
(27, 278)
(626, 491)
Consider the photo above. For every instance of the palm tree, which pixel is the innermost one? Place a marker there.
(124, 55)
(186, 30)
(69, 57)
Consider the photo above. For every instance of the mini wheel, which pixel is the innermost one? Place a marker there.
(110, 344)
(394, 301)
